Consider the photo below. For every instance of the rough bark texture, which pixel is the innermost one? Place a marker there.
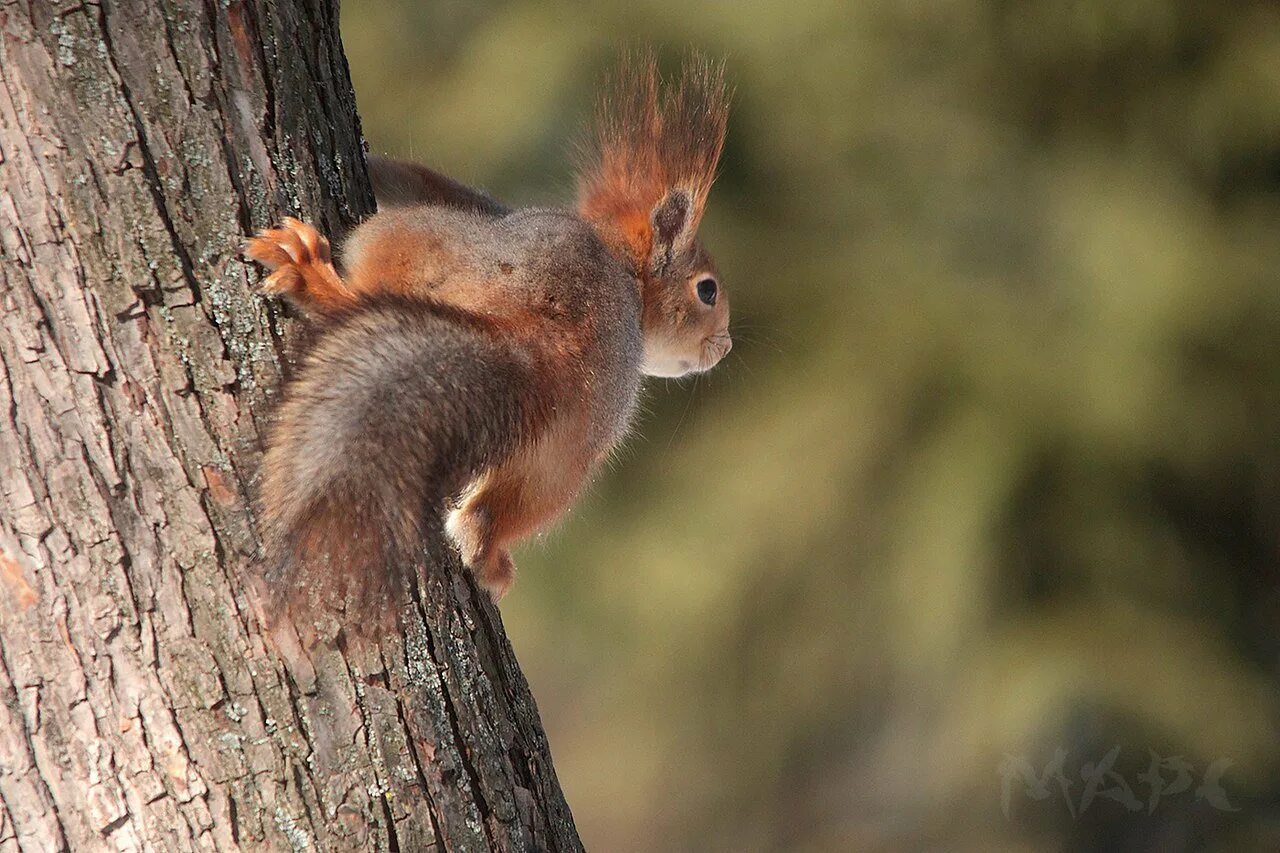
(140, 705)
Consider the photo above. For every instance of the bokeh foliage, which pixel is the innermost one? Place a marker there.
(994, 467)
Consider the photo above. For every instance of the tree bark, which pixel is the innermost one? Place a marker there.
(141, 705)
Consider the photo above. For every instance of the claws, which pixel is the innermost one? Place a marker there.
(493, 568)
(498, 576)
(301, 265)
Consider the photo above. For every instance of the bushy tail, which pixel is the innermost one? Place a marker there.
(399, 183)
(399, 403)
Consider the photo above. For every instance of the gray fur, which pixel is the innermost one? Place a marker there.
(402, 400)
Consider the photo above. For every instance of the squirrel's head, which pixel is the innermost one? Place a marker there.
(643, 185)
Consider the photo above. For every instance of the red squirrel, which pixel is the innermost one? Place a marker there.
(485, 358)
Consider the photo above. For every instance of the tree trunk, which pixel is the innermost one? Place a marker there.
(141, 706)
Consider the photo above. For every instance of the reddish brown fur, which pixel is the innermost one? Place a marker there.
(648, 140)
(650, 143)
(362, 452)
(302, 268)
(342, 493)
(491, 355)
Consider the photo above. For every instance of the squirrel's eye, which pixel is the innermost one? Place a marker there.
(707, 291)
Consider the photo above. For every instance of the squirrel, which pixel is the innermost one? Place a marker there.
(484, 360)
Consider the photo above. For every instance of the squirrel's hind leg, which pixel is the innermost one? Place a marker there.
(302, 268)
(524, 495)
(472, 527)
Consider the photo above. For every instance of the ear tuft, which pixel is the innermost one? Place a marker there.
(652, 157)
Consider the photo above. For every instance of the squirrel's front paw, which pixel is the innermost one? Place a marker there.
(302, 267)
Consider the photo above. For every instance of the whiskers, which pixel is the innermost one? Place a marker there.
(754, 335)
(715, 350)
(685, 413)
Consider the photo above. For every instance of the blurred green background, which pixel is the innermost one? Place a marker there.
(994, 467)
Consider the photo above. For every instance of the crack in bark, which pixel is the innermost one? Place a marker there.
(463, 744)
(149, 164)
(193, 726)
(10, 699)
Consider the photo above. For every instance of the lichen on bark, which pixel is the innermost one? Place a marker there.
(141, 706)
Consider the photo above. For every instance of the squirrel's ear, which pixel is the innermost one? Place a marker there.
(673, 225)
